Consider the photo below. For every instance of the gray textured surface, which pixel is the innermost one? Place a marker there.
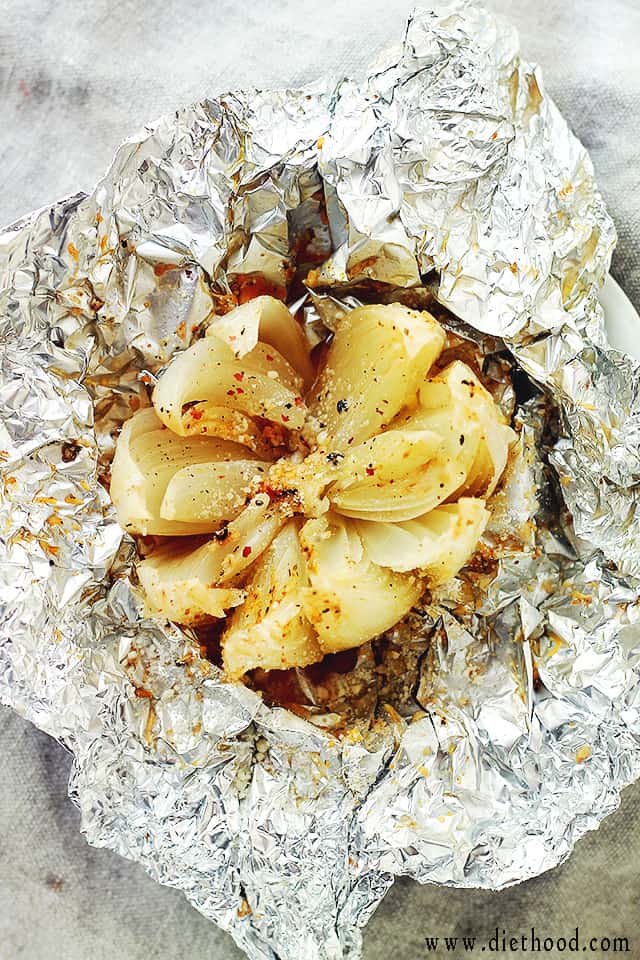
(73, 83)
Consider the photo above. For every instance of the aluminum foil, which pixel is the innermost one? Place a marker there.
(447, 173)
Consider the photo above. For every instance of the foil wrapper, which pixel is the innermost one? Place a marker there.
(448, 174)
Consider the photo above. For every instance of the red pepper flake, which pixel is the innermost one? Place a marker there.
(269, 357)
(285, 419)
(49, 547)
(361, 267)
(161, 268)
(312, 279)
(583, 754)
(195, 414)
(239, 390)
(231, 393)
(246, 551)
(494, 135)
(369, 471)
(239, 376)
(244, 910)
(298, 401)
(246, 287)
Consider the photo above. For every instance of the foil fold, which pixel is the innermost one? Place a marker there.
(447, 174)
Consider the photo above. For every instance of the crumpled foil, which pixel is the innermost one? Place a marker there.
(449, 169)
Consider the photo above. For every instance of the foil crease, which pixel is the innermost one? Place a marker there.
(447, 169)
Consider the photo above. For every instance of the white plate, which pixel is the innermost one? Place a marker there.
(621, 318)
